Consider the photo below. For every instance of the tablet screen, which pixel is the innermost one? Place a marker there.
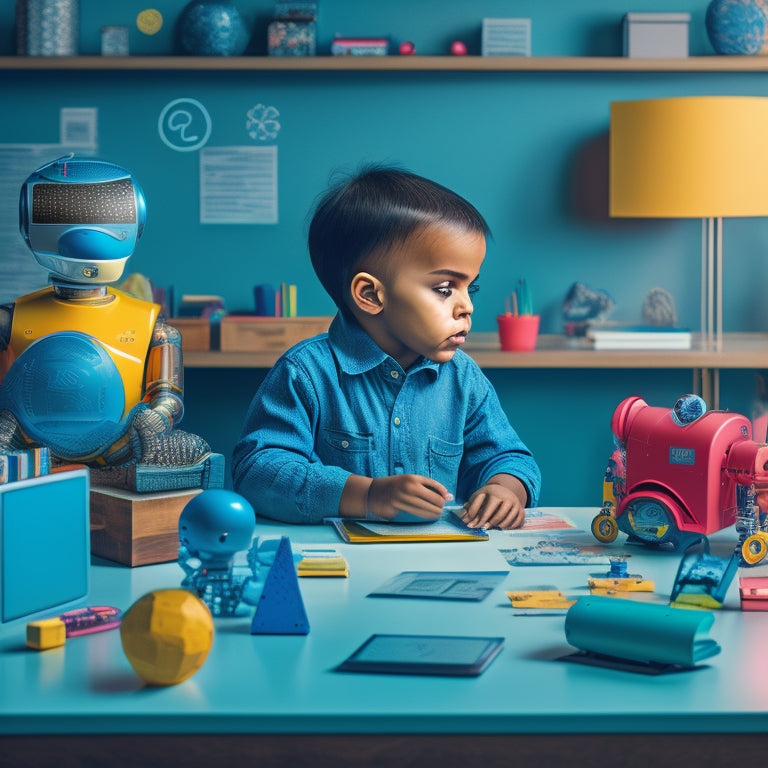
(424, 655)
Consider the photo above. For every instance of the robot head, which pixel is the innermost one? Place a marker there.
(81, 219)
(217, 522)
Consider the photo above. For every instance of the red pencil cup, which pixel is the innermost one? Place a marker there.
(517, 333)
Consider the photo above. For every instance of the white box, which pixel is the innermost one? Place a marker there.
(656, 35)
(506, 37)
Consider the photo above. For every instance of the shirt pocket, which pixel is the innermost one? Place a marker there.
(444, 461)
(348, 450)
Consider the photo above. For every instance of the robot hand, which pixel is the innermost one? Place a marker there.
(189, 562)
(150, 430)
(150, 424)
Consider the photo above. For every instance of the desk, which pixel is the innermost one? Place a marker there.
(275, 700)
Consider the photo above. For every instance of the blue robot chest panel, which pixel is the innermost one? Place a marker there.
(66, 393)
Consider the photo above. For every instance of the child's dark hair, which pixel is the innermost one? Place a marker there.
(374, 210)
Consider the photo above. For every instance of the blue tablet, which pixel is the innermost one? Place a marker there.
(424, 655)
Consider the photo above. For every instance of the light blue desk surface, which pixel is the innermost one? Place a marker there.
(286, 684)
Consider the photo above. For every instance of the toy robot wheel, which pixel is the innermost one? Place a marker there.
(605, 528)
(754, 548)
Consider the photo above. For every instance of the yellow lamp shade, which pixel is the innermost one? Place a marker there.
(689, 157)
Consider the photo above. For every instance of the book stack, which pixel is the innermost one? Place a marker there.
(322, 562)
(24, 464)
(638, 337)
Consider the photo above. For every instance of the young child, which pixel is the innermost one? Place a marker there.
(384, 417)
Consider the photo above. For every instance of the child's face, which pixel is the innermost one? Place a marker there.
(426, 300)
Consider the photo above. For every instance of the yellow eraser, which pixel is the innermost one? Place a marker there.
(540, 598)
(46, 633)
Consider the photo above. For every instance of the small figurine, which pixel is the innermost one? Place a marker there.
(583, 306)
(213, 527)
(659, 308)
(92, 372)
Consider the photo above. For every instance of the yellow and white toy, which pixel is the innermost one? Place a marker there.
(92, 372)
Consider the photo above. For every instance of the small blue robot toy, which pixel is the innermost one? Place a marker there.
(214, 527)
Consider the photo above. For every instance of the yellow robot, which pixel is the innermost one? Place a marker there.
(91, 372)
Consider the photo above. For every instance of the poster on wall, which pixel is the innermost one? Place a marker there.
(238, 185)
(19, 271)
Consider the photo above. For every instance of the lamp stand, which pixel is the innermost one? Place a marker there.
(712, 283)
(711, 302)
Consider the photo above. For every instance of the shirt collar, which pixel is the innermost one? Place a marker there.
(358, 353)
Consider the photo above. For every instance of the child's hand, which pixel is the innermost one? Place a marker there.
(420, 496)
(496, 505)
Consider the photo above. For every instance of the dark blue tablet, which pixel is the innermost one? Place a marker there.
(424, 655)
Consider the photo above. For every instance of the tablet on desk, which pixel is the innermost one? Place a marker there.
(424, 655)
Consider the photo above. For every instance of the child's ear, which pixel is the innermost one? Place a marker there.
(367, 292)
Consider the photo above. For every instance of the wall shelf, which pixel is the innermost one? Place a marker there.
(744, 351)
(390, 63)
(740, 351)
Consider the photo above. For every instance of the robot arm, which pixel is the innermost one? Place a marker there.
(164, 381)
(748, 461)
(6, 358)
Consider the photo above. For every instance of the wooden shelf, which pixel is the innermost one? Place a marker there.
(740, 351)
(391, 63)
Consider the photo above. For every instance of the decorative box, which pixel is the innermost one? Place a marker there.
(115, 41)
(250, 333)
(44, 544)
(360, 46)
(286, 37)
(753, 591)
(293, 31)
(195, 333)
(656, 35)
(506, 37)
(137, 528)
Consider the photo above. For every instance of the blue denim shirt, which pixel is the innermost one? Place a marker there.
(336, 405)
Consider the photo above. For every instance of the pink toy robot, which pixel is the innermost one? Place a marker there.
(681, 474)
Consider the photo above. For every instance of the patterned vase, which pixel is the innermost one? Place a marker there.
(210, 28)
(737, 27)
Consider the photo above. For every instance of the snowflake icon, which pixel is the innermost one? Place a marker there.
(262, 123)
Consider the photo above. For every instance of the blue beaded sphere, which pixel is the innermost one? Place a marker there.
(210, 28)
(736, 27)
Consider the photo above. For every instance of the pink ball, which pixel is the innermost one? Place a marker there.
(407, 48)
(458, 48)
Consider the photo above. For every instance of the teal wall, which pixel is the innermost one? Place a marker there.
(529, 149)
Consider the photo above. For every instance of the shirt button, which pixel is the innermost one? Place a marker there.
(395, 374)
(397, 421)
(345, 443)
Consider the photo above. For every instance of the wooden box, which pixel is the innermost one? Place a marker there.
(195, 333)
(137, 528)
(248, 333)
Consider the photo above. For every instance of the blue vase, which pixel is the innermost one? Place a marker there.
(210, 28)
(736, 27)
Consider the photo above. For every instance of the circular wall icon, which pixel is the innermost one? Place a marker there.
(184, 125)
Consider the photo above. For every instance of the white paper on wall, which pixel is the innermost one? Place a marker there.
(238, 185)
